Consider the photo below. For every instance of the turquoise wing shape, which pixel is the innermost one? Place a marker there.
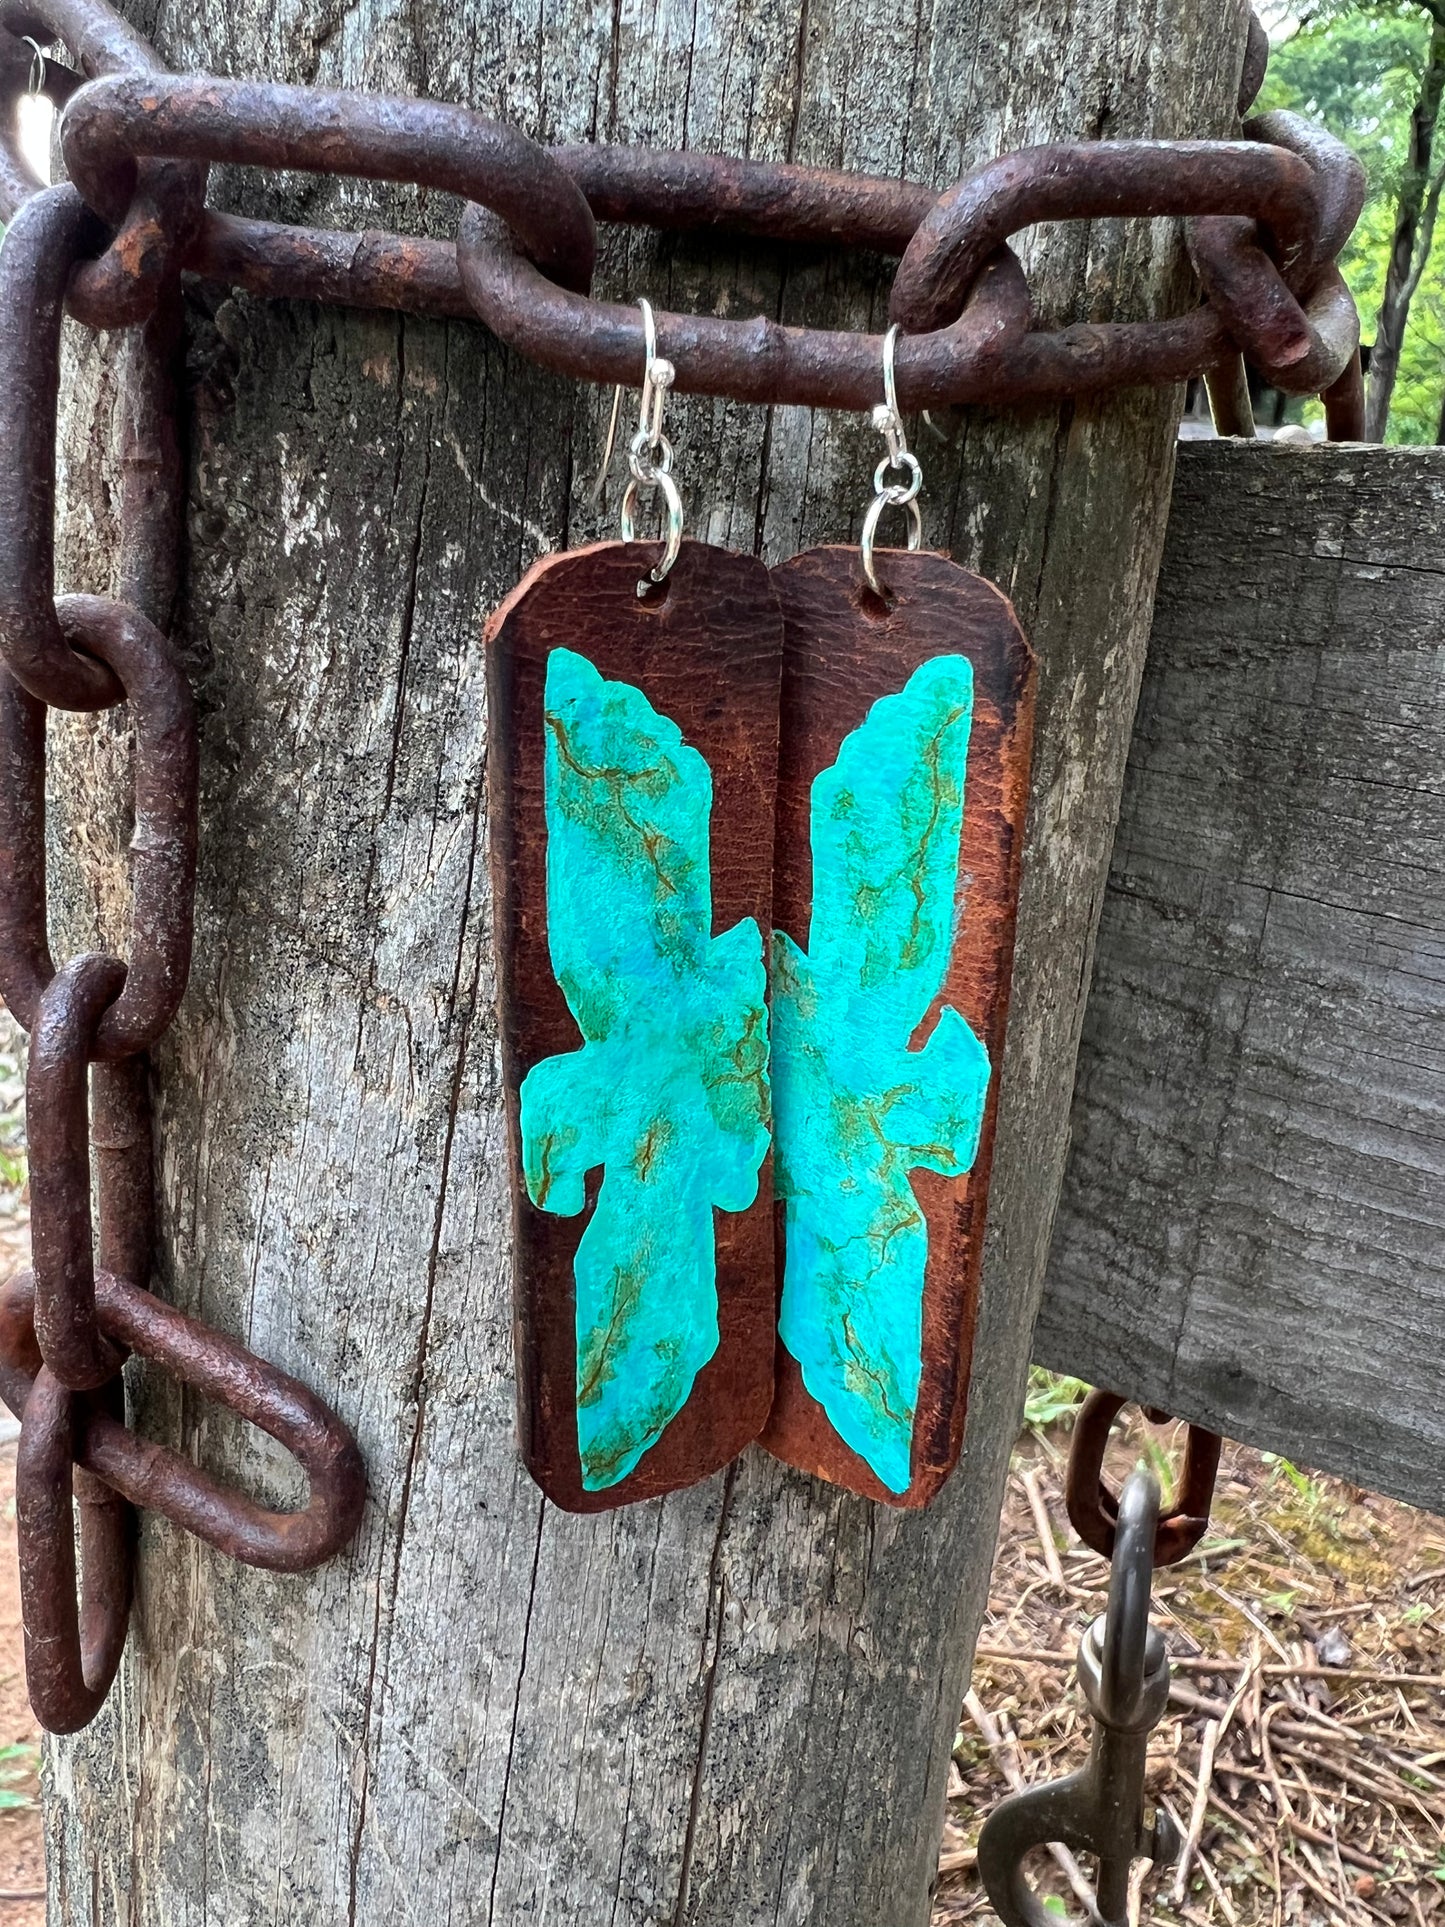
(669, 1092)
(856, 1108)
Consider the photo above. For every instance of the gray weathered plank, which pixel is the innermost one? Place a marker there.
(735, 1706)
(1252, 1231)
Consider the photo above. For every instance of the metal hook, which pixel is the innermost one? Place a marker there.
(889, 423)
(649, 456)
(649, 413)
(35, 83)
(657, 377)
(599, 480)
(1124, 1671)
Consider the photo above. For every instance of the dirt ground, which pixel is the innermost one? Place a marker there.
(1305, 1736)
(22, 1851)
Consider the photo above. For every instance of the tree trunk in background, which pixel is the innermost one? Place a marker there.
(736, 1705)
(1415, 215)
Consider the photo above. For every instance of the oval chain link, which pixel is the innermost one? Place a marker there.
(1094, 1509)
(72, 1649)
(224, 1371)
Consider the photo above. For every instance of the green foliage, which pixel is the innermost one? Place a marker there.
(19, 1766)
(1159, 1462)
(1356, 68)
(1051, 1398)
(1356, 65)
(1313, 1496)
(1281, 1603)
(12, 1114)
(1301, 1481)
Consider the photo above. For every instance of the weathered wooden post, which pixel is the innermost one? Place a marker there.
(734, 1705)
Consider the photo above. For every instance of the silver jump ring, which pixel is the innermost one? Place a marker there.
(898, 491)
(672, 537)
(870, 531)
(647, 460)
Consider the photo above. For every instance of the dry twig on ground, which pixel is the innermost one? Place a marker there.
(1303, 1752)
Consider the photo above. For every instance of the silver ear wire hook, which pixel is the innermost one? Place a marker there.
(599, 480)
(35, 83)
(648, 409)
(886, 494)
(649, 456)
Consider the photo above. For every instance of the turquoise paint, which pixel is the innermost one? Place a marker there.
(669, 1092)
(856, 1108)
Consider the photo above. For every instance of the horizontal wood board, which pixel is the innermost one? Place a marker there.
(1252, 1229)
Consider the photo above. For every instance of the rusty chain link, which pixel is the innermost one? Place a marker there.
(72, 1648)
(226, 1372)
(1265, 218)
(1093, 1508)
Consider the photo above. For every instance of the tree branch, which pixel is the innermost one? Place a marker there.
(1425, 239)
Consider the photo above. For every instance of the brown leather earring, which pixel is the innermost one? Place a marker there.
(907, 716)
(632, 776)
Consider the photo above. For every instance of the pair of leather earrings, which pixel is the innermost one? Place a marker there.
(755, 848)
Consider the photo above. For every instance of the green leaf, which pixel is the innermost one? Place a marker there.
(1051, 1398)
(19, 1765)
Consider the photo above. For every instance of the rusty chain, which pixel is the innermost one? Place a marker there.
(1265, 218)
(68, 1326)
(1094, 1509)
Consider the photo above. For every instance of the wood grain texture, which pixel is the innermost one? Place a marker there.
(1253, 1227)
(707, 653)
(736, 1704)
(843, 651)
